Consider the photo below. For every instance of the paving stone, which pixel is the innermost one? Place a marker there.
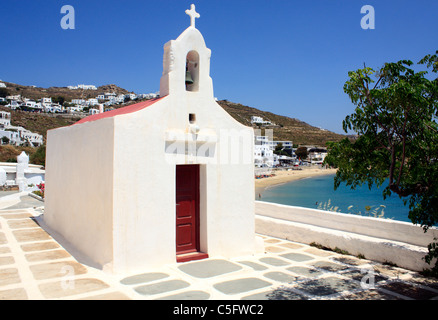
(22, 223)
(3, 211)
(254, 265)
(272, 241)
(189, 295)
(27, 235)
(319, 252)
(40, 246)
(209, 268)
(47, 255)
(3, 239)
(329, 266)
(410, 291)
(108, 296)
(273, 249)
(143, 278)
(241, 285)
(61, 289)
(13, 294)
(326, 286)
(298, 257)
(9, 276)
(6, 260)
(280, 276)
(16, 215)
(305, 271)
(57, 269)
(290, 245)
(4, 250)
(162, 287)
(274, 261)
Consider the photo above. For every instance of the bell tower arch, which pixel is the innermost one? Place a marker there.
(186, 64)
(192, 71)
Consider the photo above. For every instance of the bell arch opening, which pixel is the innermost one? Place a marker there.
(192, 71)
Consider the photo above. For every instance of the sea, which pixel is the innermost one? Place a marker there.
(318, 193)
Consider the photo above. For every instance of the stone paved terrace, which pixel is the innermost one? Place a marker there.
(33, 265)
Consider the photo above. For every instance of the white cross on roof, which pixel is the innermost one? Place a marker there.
(193, 15)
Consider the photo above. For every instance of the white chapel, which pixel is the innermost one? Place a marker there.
(161, 181)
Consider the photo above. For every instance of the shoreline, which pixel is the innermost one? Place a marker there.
(284, 176)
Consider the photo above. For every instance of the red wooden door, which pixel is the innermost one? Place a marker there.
(187, 208)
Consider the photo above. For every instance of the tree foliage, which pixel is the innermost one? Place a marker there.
(4, 92)
(396, 123)
(39, 157)
(301, 152)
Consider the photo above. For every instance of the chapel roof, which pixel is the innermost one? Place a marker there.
(125, 110)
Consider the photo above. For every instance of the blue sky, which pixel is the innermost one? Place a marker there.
(287, 57)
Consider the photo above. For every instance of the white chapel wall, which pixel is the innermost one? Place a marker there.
(78, 202)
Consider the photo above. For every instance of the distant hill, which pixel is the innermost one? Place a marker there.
(286, 128)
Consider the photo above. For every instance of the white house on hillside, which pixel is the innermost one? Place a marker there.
(5, 119)
(79, 102)
(83, 87)
(17, 135)
(46, 101)
(259, 120)
(14, 98)
(92, 102)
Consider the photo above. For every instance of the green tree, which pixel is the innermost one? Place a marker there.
(396, 122)
(39, 157)
(58, 99)
(4, 92)
(279, 148)
(301, 152)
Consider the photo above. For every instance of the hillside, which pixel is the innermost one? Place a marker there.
(286, 128)
(39, 122)
(35, 93)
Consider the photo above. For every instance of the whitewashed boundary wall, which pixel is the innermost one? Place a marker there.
(382, 240)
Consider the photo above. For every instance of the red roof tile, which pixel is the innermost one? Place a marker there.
(128, 109)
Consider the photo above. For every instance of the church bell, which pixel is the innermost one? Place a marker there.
(189, 79)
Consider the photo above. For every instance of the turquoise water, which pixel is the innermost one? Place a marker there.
(318, 192)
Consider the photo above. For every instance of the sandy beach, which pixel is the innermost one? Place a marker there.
(283, 176)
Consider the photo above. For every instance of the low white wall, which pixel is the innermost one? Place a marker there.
(34, 178)
(369, 226)
(381, 240)
(34, 174)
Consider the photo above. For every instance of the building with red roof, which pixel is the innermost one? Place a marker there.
(161, 181)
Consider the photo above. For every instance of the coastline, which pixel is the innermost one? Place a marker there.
(284, 176)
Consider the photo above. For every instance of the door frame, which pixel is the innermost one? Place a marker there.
(196, 173)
